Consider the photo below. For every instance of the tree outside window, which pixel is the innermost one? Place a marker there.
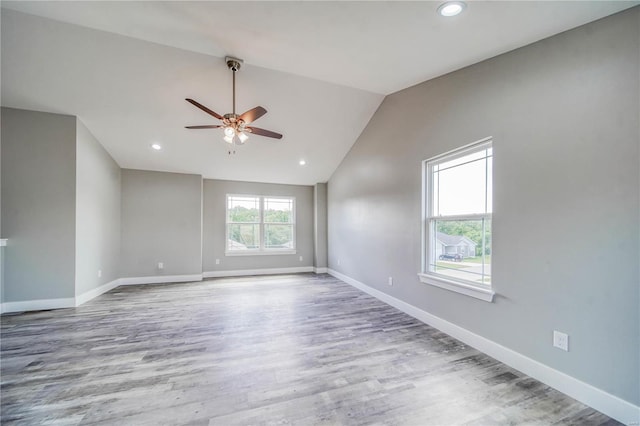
(260, 224)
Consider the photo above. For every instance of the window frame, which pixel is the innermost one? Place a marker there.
(262, 249)
(480, 291)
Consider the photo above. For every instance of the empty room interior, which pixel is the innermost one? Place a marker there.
(260, 213)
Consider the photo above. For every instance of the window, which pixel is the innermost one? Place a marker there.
(260, 225)
(457, 220)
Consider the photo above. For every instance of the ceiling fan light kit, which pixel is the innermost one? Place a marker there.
(235, 127)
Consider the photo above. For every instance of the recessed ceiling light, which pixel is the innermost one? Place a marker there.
(156, 146)
(451, 8)
(302, 162)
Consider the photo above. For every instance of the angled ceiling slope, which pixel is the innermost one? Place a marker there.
(320, 68)
(131, 94)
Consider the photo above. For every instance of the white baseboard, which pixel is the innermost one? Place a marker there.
(38, 305)
(322, 270)
(600, 400)
(267, 271)
(92, 294)
(160, 279)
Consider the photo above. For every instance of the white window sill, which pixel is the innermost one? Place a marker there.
(458, 287)
(259, 253)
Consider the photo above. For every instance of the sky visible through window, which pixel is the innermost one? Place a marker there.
(463, 186)
(246, 202)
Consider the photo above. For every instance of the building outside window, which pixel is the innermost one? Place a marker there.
(458, 195)
(260, 225)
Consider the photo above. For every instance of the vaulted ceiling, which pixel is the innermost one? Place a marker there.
(321, 69)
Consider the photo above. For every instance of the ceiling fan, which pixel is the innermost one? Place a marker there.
(235, 126)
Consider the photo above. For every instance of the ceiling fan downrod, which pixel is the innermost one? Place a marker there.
(234, 65)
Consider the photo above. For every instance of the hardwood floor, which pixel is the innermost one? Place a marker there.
(297, 349)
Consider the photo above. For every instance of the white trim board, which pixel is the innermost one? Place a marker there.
(92, 294)
(38, 305)
(72, 302)
(600, 400)
(267, 271)
(160, 279)
(321, 270)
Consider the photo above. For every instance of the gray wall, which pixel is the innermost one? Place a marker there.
(564, 114)
(161, 221)
(1, 248)
(215, 192)
(320, 225)
(38, 204)
(97, 213)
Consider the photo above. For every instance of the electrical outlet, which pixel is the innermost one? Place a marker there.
(561, 340)
(217, 261)
(338, 262)
(99, 273)
(160, 265)
(300, 258)
(390, 280)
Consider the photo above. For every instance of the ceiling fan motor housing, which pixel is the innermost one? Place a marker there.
(234, 120)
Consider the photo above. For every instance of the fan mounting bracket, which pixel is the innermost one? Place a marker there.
(234, 64)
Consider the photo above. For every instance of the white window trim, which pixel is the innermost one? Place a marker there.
(472, 290)
(468, 288)
(262, 251)
(256, 252)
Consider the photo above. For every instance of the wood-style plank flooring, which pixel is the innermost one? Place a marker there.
(297, 349)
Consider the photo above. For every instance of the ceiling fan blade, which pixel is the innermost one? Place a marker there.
(253, 114)
(208, 126)
(204, 108)
(263, 132)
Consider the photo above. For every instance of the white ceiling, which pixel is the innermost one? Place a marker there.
(320, 68)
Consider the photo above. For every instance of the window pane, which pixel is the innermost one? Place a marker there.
(489, 184)
(461, 249)
(243, 209)
(279, 236)
(243, 236)
(464, 159)
(461, 189)
(460, 185)
(278, 210)
(487, 246)
(436, 193)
